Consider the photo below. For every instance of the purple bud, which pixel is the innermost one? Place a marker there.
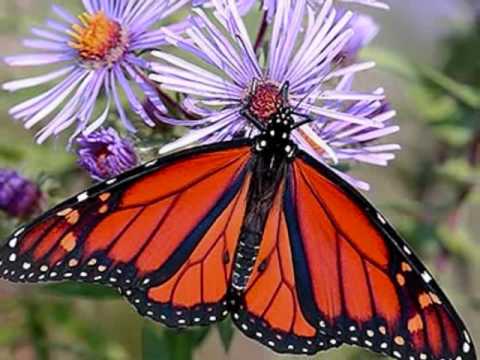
(19, 196)
(364, 31)
(104, 154)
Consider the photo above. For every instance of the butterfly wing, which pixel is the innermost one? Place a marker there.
(359, 281)
(164, 234)
(269, 309)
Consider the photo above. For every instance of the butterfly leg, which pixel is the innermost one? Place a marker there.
(255, 122)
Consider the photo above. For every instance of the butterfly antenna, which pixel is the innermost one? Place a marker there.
(307, 118)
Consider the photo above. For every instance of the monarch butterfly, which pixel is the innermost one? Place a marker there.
(255, 228)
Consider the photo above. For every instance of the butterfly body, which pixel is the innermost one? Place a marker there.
(255, 228)
(272, 150)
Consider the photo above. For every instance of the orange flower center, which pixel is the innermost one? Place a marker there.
(265, 100)
(99, 40)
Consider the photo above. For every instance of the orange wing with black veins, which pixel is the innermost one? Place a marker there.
(359, 281)
(164, 234)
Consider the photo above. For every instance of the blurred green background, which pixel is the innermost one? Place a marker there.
(428, 57)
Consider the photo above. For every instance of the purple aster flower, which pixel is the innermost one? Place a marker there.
(373, 3)
(271, 5)
(19, 196)
(231, 78)
(96, 53)
(352, 142)
(105, 154)
(243, 5)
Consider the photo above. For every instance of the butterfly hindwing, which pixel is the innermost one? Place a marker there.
(269, 309)
(360, 283)
(164, 234)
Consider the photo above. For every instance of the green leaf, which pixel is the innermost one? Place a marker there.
(458, 170)
(171, 344)
(390, 61)
(226, 331)
(10, 154)
(72, 289)
(456, 136)
(445, 106)
(459, 242)
(468, 95)
(154, 345)
(399, 65)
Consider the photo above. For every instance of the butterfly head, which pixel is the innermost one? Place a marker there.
(268, 110)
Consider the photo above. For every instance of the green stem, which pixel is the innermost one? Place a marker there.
(37, 331)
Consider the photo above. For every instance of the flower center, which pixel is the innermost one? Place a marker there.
(101, 159)
(265, 100)
(99, 40)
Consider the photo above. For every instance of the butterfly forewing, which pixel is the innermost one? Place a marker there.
(360, 283)
(164, 234)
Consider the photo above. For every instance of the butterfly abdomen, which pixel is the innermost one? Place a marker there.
(265, 182)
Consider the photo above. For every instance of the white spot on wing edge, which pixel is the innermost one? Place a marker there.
(13, 242)
(111, 181)
(82, 197)
(19, 231)
(381, 218)
(407, 250)
(151, 163)
(427, 277)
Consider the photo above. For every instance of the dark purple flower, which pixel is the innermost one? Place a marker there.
(19, 196)
(104, 153)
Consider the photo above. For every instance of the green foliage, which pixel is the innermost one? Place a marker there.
(171, 344)
(75, 290)
(226, 331)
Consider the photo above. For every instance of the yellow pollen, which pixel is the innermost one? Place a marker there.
(98, 38)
